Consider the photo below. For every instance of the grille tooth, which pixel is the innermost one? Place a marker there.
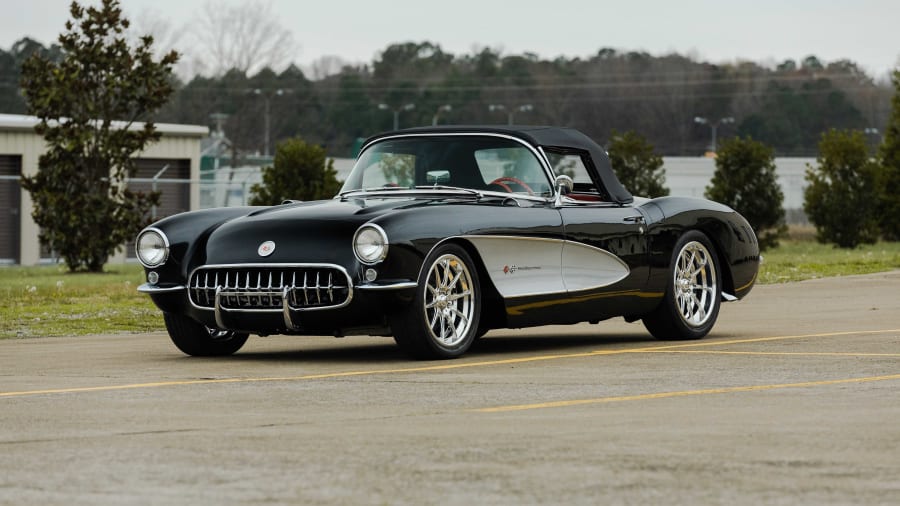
(243, 288)
(305, 294)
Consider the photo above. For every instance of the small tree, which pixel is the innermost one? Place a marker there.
(840, 198)
(80, 200)
(745, 180)
(888, 178)
(636, 165)
(301, 171)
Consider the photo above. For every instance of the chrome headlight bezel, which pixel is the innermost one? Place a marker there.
(370, 244)
(152, 254)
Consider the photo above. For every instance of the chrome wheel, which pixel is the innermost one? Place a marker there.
(690, 306)
(449, 300)
(695, 284)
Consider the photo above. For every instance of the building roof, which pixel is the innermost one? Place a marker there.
(23, 123)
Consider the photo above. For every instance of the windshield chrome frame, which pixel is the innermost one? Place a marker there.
(538, 152)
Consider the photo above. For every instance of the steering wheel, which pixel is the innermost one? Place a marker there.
(500, 181)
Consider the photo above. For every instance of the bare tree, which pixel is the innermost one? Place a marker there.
(326, 65)
(166, 37)
(246, 36)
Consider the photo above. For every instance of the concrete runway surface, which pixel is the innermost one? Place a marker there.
(793, 399)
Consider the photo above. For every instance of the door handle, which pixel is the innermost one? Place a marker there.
(637, 220)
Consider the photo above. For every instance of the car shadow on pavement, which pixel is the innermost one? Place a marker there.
(379, 349)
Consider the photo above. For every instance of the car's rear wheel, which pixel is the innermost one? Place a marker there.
(442, 320)
(693, 291)
(198, 340)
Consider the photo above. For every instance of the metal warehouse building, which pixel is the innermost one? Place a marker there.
(167, 164)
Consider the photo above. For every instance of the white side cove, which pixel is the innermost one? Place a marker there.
(520, 266)
(585, 267)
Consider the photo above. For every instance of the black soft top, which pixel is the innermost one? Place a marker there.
(566, 139)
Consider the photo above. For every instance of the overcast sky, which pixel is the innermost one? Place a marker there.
(765, 31)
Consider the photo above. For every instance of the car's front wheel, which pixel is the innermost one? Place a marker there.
(442, 320)
(198, 340)
(693, 291)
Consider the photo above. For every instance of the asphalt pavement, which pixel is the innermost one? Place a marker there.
(793, 399)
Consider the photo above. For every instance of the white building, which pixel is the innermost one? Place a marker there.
(169, 164)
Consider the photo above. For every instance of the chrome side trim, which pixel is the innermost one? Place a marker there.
(151, 289)
(727, 297)
(404, 285)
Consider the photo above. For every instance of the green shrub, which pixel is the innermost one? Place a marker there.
(301, 171)
(637, 167)
(840, 199)
(745, 180)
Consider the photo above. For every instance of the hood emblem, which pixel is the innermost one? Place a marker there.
(266, 248)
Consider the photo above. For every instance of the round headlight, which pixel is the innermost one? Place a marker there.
(370, 244)
(152, 247)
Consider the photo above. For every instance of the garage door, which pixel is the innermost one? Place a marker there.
(10, 208)
(172, 183)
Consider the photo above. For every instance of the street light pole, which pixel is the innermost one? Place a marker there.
(443, 108)
(267, 97)
(510, 113)
(407, 107)
(714, 126)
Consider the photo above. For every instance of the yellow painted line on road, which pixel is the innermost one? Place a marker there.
(778, 353)
(442, 367)
(430, 368)
(684, 393)
(703, 344)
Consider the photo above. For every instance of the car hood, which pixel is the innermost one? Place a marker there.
(307, 232)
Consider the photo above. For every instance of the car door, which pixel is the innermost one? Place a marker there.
(606, 246)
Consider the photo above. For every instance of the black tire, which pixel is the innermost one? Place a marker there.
(198, 340)
(442, 320)
(690, 306)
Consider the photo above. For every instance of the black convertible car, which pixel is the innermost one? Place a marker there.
(441, 234)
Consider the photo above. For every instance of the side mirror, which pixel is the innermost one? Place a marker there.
(564, 184)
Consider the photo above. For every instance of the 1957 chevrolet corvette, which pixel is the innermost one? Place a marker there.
(441, 234)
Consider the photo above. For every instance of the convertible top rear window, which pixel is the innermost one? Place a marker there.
(482, 163)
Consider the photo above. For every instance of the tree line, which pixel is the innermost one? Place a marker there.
(787, 107)
(96, 77)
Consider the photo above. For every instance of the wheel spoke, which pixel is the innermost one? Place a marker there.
(455, 280)
(460, 295)
(434, 319)
(463, 318)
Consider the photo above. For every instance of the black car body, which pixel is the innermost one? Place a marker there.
(441, 234)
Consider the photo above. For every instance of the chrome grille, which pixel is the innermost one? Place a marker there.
(269, 287)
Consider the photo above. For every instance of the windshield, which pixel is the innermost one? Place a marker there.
(480, 163)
